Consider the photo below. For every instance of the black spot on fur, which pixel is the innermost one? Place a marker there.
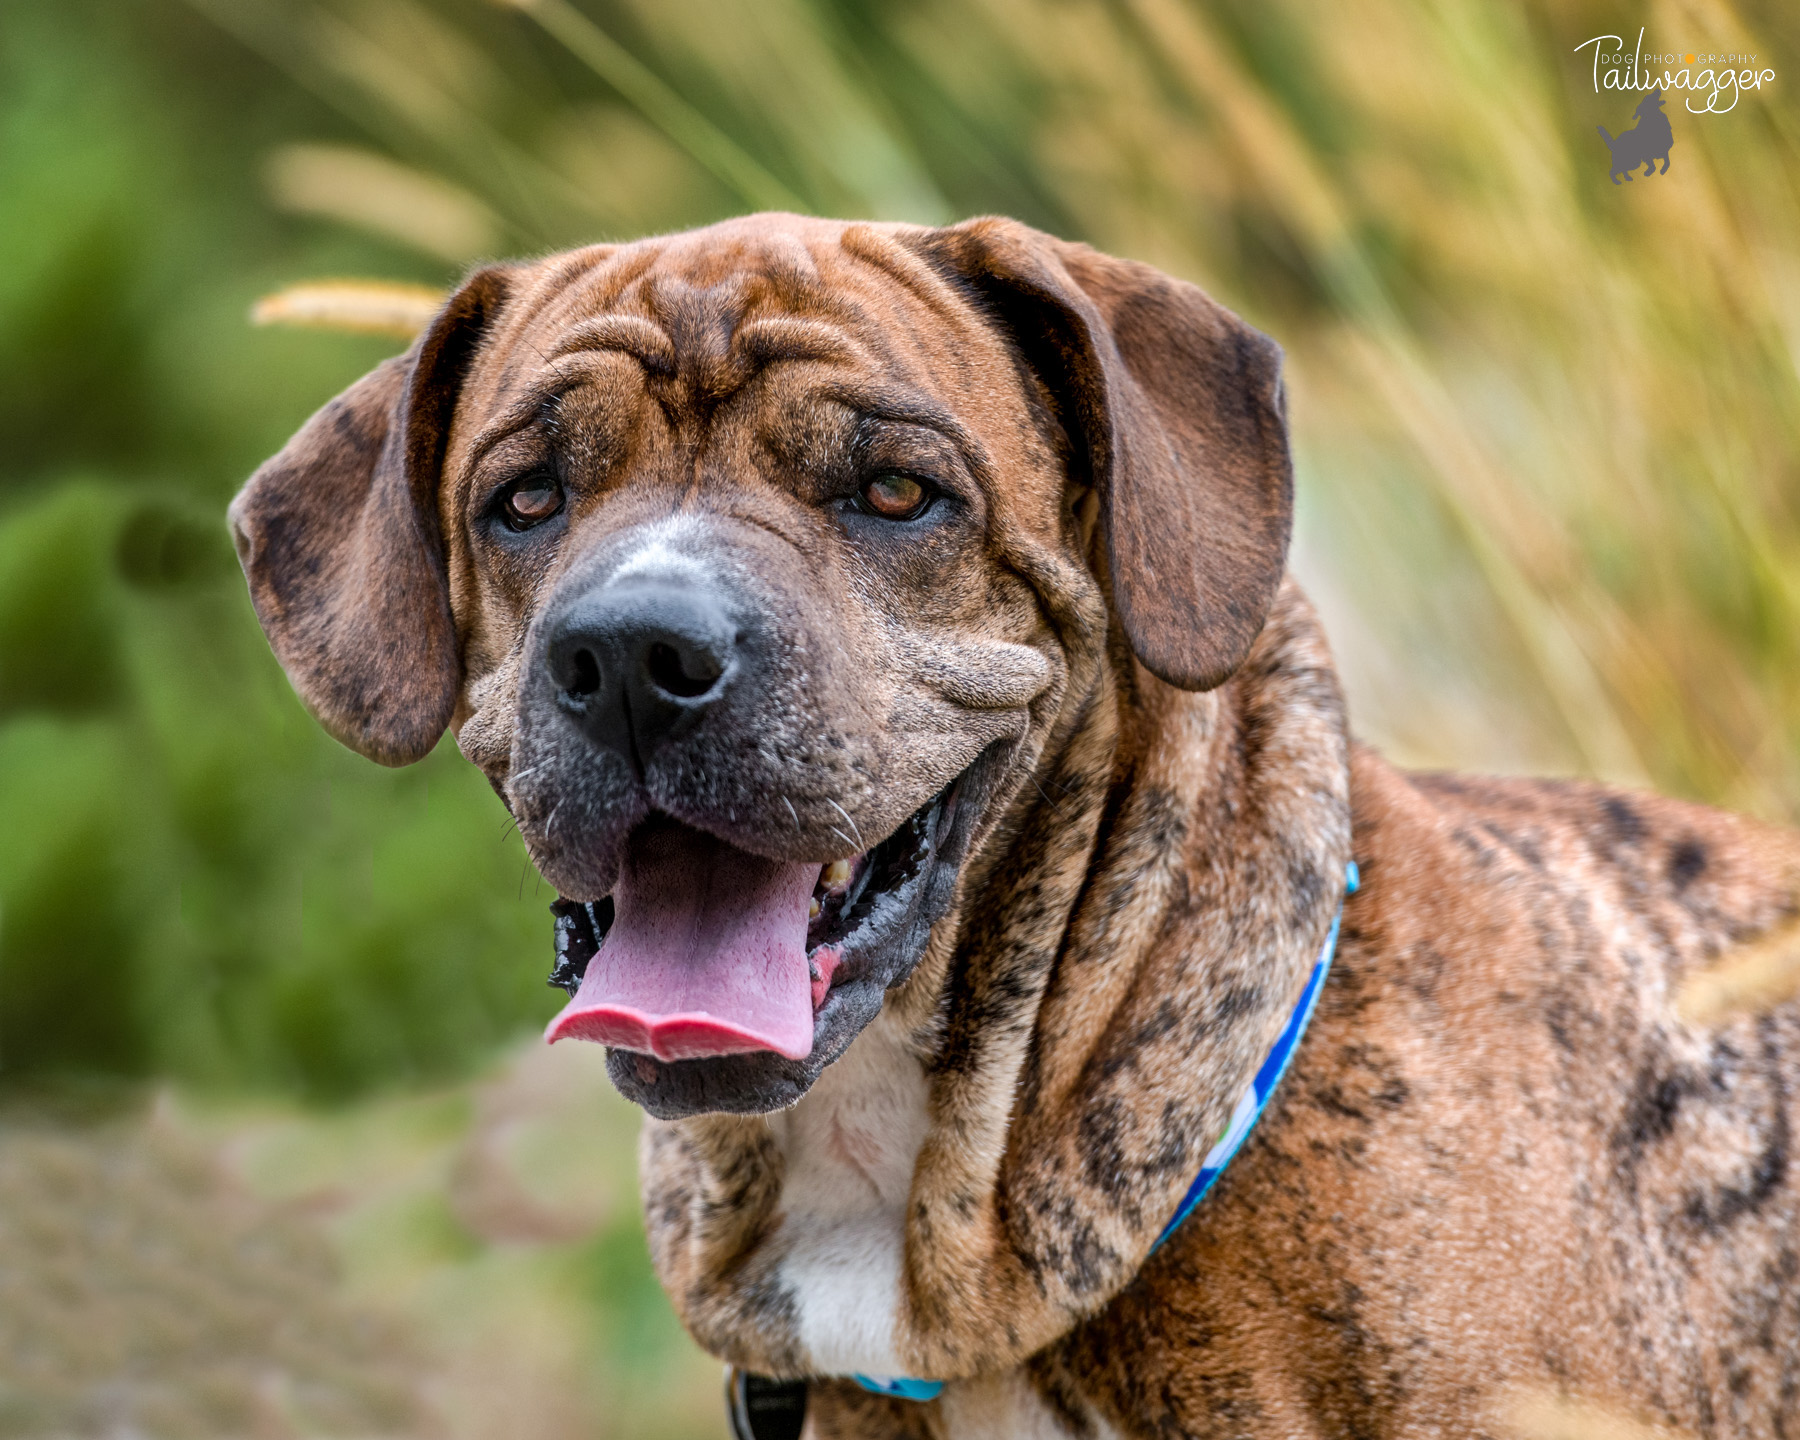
(1769, 1172)
(1624, 826)
(1364, 1388)
(1422, 969)
(1524, 845)
(1307, 890)
(1572, 1024)
(1084, 1261)
(1363, 1085)
(1057, 1390)
(1104, 1145)
(1234, 1004)
(1687, 863)
(1478, 849)
(1651, 1108)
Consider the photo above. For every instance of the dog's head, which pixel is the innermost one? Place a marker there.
(750, 565)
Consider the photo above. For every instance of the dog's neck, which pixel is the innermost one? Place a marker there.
(1126, 947)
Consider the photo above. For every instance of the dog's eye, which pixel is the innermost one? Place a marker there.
(530, 501)
(894, 496)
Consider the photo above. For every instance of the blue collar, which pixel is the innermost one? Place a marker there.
(1250, 1107)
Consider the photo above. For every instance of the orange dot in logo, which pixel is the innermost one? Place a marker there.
(1688, 59)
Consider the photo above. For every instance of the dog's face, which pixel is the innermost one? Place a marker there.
(752, 566)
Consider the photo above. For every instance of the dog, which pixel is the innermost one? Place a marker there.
(1647, 141)
(883, 638)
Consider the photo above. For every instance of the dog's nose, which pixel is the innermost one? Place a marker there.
(637, 663)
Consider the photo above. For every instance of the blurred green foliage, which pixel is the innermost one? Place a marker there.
(194, 881)
(1548, 426)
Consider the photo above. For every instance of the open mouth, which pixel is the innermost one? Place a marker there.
(703, 950)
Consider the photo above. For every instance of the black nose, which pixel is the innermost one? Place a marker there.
(638, 662)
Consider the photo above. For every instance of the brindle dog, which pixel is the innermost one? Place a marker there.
(958, 555)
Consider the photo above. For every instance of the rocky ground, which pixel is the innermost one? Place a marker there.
(464, 1264)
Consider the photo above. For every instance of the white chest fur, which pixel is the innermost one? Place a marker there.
(1005, 1407)
(850, 1147)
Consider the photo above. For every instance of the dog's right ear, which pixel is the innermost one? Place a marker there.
(1176, 407)
(339, 538)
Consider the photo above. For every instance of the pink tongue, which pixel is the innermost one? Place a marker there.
(706, 955)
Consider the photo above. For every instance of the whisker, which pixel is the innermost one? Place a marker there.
(1046, 794)
(860, 845)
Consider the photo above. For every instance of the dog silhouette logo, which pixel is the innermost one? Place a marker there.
(1646, 142)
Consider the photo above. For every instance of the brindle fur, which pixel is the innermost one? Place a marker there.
(1498, 1160)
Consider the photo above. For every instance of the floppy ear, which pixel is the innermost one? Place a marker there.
(1176, 407)
(338, 536)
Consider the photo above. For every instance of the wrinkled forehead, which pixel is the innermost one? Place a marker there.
(701, 314)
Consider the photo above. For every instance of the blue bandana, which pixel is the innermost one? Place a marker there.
(1249, 1110)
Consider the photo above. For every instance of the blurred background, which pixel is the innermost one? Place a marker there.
(278, 1155)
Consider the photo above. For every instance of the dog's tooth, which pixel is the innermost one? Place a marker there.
(812, 908)
(837, 874)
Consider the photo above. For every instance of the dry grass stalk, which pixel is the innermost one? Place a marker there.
(359, 307)
(662, 105)
(1545, 1415)
(374, 193)
(1749, 980)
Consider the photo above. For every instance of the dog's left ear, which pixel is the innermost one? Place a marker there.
(1176, 407)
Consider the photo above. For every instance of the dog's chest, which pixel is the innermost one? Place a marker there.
(850, 1147)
